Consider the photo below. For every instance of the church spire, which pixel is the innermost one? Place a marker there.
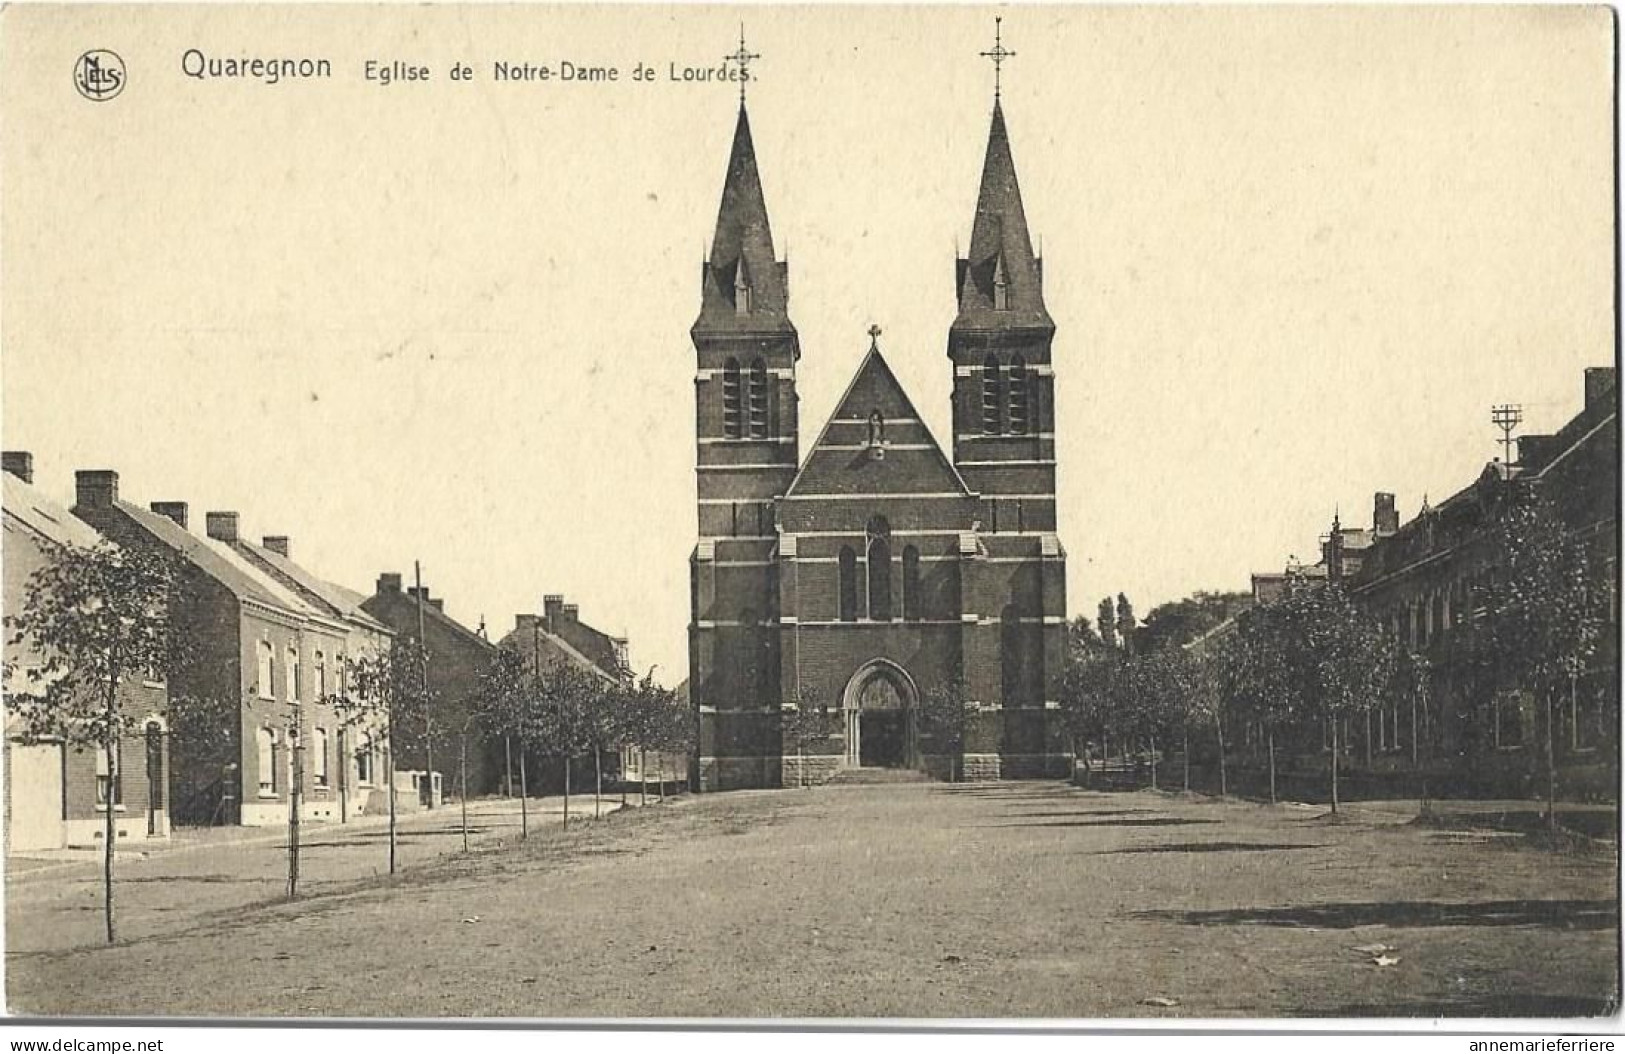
(744, 285)
(1000, 279)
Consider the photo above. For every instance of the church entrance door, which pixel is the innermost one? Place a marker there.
(879, 703)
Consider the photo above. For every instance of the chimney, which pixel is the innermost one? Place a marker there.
(221, 526)
(277, 543)
(437, 603)
(1599, 384)
(19, 463)
(551, 604)
(1384, 515)
(389, 582)
(523, 621)
(572, 613)
(174, 510)
(95, 488)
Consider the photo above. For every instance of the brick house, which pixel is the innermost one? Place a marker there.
(57, 795)
(249, 687)
(353, 752)
(1418, 580)
(458, 657)
(875, 569)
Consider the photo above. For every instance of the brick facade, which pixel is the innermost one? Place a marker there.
(875, 570)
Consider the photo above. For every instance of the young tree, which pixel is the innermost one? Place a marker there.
(1542, 618)
(946, 712)
(565, 694)
(803, 723)
(507, 706)
(387, 693)
(1254, 676)
(1106, 622)
(96, 617)
(1125, 622)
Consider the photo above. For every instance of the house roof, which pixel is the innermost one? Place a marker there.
(28, 506)
(531, 639)
(336, 600)
(214, 559)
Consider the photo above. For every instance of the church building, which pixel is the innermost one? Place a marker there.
(875, 575)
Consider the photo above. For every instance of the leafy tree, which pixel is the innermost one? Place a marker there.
(1253, 677)
(567, 700)
(1106, 622)
(945, 715)
(508, 705)
(1125, 622)
(96, 616)
(802, 724)
(1542, 617)
(1179, 622)
(388, 692)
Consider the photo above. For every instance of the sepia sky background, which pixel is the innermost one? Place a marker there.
(1294, 255)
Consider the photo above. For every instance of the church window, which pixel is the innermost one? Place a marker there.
(1018, 395)
(849, 584)
(878, 561)
(758, 400)
(911, 583)
(1001, 286)
(742, 289)
(732, 422)
(991, 385)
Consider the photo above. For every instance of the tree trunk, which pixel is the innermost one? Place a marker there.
(1153, 741)
(660, 775)
(344, 779)
(1335, 748)
(801, 764)
(524, 795)
(1368, 739)
(1272, 765)
(643, 775)
(109, 825)
(1551, 766)
(598, 783)
(1224, 786)
(507, 764)
(428, 760)
(389, 759)
(1414, 753)
(462, 783)
(567, 792)
(1187, 756)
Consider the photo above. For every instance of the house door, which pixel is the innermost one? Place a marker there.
(36, 797)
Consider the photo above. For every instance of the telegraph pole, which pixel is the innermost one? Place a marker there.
(1507, 417)
(423, 698)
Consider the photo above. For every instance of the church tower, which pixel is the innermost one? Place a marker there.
(746, 455)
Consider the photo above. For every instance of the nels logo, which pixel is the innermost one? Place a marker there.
(99, 75)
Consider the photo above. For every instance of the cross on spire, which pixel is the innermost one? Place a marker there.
(998, 54)
(874, 337)
(743, 57)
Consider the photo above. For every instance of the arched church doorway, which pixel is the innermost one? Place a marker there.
(879, 706)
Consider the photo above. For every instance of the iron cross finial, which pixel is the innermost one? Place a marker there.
(874, 337)
(998, 54)
(743, 57)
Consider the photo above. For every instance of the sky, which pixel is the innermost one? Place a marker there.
(1293, 255)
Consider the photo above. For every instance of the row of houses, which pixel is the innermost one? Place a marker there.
(270, 642)
(1418, 578)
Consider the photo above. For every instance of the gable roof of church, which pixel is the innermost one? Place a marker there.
(742, 262)
(1001, 249)
(875, 387)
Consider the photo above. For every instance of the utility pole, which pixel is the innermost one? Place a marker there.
(1507, 417)
(423, 698)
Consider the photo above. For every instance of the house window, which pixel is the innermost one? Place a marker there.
(911, 583)
(848, 564)
(267, 662)
(758, 400)
(877, 559)
(1018, 395)
(291, 668)
(321, 676)
(115, 779)
(363, 761)
(732, 419)
(318, 760)
(155, 764)
(991, 385)
(265, 739)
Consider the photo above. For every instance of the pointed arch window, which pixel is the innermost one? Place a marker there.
(877, 558)
(1018, 395)
(758, 399)
(732, 419)
(911, 583)
(742, 289)
(848, 563)
(992, 395)
(1001, 285)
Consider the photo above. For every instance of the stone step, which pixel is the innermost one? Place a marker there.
(874, 774)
